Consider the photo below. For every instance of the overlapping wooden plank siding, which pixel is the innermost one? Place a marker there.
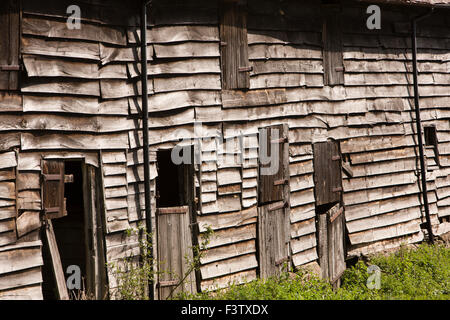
(82, 93)
(20, 246)
(383, 201)
(73, 102)
(371, 116)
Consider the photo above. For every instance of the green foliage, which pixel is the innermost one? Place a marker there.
(133, 273)
(422, 273)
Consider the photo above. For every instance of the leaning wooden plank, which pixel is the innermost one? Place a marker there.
(74, 141)
(20, 279)
(57, 48)
(33, 292)
(57, 29)
(229, 266)
(57, 267)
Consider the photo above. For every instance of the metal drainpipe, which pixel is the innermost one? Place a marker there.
(144, 79)
(418, 122)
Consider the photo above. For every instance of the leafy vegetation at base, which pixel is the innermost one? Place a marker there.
(419, 273)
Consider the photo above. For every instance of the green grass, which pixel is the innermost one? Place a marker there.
(421, 273)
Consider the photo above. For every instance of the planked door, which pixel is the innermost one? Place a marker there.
(94, 233)
(273, 208)
(331, 243)
(174, 246)
(329, 212)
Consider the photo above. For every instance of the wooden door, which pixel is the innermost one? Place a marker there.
(94, 234)
(273, 210)
(331, 243)
(330, 217)
(174, 246)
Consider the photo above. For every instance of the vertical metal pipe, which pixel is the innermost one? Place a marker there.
(144, 79)
(419, 124)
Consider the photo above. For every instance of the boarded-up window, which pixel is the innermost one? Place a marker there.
(333, 62)
(53, 202)
(234, 45)
(9, 44)
(327, 172)
(272, 164)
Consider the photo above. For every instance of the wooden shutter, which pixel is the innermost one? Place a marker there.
(174, 244)
(327, 172)
(234, 45)
(270, 187)
(53, 202)
(9, 44)
(333, 61)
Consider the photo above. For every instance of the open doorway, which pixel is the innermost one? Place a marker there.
(75, 242)
(175, 223)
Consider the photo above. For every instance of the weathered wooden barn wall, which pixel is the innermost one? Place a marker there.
(72, 103)
(80, 94)
(371, 116)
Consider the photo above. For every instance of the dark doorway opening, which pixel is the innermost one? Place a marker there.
(171, 182)
(76, 236)
(70, 232)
